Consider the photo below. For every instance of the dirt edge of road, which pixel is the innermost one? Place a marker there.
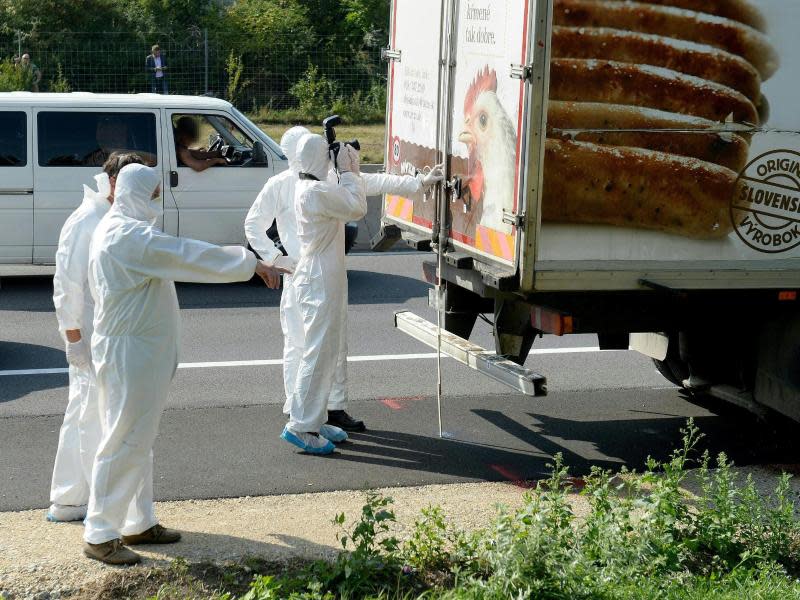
(43, 561)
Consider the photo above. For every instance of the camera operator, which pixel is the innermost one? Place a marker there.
(320, 285)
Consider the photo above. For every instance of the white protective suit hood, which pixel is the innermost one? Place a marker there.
(133, 194)
(103, 188)
(312, 156)
(289, 143)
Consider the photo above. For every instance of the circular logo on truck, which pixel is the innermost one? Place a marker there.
(396, 149)
(765, 210)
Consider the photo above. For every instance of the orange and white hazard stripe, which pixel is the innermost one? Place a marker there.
(402, 208)
(495, 243)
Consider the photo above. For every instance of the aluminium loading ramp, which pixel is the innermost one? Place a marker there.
(498, 368)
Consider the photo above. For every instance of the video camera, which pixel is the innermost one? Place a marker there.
(328, 125)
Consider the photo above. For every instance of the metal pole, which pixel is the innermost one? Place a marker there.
(449, 9)
(19, 43)
(205, 53)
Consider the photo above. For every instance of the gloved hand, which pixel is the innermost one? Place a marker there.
(79, 355)
(285, 262)
(435, 175)
(270, 275)
(348, 160)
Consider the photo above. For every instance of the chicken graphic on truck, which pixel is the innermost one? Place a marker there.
(491, 140)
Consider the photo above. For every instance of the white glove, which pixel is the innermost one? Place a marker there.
(435, 175)
(285, 262)
(348, 160)
(79, 355)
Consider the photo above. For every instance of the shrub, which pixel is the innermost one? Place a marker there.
(14, 78)
(315, 93)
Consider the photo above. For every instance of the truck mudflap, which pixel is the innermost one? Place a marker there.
(498, 368)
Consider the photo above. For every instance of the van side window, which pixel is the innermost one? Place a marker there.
(86, 139)
(209, 140)
(13, 139)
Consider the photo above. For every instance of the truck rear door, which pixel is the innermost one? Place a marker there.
(473, 113)
(414, 114)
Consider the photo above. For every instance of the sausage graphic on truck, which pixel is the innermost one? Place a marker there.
(630, 169)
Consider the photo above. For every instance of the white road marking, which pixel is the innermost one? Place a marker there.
(279, 361)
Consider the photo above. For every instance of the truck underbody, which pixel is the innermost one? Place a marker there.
(739, 345)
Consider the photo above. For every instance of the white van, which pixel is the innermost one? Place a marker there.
(50, 144)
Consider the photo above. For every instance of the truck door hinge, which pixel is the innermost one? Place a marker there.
(390, 53)
(523, 72)
(511, 219)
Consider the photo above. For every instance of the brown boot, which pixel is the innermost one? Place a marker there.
(111, 553)
(155, 535)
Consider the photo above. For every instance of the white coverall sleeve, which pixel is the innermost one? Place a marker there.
(259, 219)
(184, 259)
(378, 184)
(346, 201)
(69, 283)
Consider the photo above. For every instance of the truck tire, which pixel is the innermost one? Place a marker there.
(663, 367)
(672, 367)
(350, 235)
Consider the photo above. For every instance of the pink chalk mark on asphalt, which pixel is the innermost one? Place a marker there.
(513, 477)
(516, 479)
(401, 402)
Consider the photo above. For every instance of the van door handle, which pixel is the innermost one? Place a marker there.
(173, 179)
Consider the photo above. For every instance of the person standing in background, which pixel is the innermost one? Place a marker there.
(36, 73)
(155, 65)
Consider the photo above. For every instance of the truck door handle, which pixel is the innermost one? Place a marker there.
(173, 179)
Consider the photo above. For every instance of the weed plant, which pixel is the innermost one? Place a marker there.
(644, 536)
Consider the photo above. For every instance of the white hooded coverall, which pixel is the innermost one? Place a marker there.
(276, 202)
(132, 266)
(320, 279)
(80, 432)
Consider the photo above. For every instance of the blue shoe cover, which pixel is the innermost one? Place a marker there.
(325, 446)
(333, 433)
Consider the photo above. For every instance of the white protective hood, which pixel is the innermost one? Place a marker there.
(289, 143)
(312, 156)
(133, 194)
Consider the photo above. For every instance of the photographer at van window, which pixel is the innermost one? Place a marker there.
(187, 134)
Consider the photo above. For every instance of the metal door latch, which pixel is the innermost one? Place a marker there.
(523, 72)
(511, 219)
(455, 187)
(390, 53)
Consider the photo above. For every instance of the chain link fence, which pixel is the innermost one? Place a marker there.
(283, 74)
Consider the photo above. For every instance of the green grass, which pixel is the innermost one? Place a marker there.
(644, 537)
(370, 136)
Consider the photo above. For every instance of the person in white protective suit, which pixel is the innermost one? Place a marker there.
(132, 267)
(319, 283)
(276, 203)
(80, 431)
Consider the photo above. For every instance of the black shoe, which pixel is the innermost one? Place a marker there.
(341, 419)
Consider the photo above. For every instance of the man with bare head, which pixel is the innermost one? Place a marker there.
(80, 431)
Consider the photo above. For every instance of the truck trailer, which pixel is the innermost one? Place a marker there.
(630, 169)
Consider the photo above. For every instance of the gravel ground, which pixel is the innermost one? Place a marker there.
(43, 561)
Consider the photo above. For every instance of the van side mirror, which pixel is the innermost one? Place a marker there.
(259, 154)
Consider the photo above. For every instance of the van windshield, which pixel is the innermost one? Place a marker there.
(268, 141)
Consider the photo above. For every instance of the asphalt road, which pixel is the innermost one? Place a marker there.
(219, 435)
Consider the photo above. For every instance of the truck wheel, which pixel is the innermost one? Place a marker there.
(350, 235)
(672, 367)
(663, 368)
